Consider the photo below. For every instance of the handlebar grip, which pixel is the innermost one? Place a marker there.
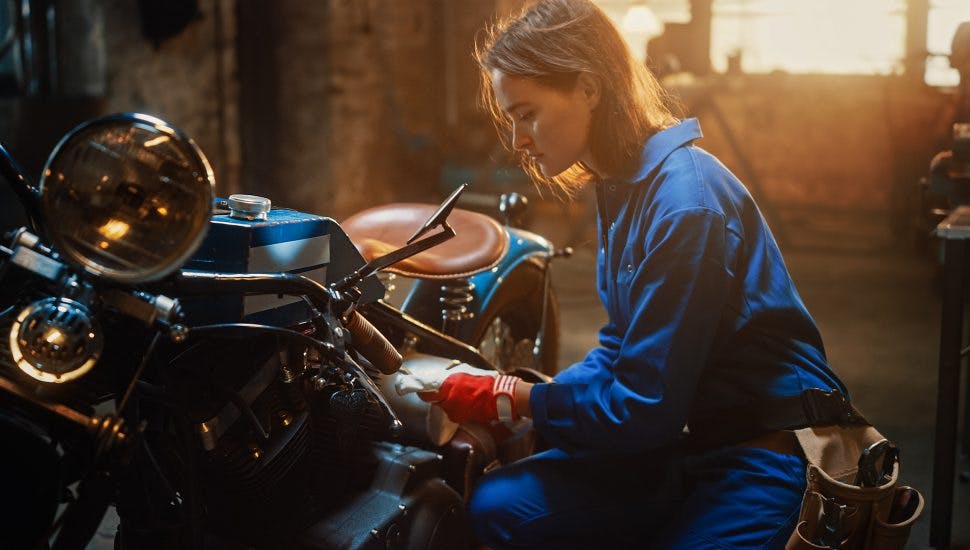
(371, 344)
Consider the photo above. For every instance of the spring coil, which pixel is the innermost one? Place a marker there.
(456, 294)
(387, 279)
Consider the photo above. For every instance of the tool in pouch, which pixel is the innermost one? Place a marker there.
(852, 499)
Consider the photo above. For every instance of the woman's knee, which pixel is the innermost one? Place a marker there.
(496, 510)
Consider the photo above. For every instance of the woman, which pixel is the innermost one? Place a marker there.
(706, 333)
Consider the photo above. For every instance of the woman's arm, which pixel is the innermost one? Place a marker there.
(677, 294)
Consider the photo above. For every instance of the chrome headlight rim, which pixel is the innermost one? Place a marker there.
(201, 168)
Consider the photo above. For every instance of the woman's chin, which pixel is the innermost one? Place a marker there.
(551, 171)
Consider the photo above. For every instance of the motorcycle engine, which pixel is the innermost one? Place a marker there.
(275, 443)
(276, 431)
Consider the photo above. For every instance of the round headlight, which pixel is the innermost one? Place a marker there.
(127, 197)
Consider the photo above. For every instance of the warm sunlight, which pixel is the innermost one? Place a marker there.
(798, 36)
(944, 17)
(821, 36)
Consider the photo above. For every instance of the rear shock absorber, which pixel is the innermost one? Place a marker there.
(456, 294)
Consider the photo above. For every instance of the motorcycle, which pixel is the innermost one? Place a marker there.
(228, 375)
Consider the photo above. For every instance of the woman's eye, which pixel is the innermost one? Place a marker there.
(527, 116)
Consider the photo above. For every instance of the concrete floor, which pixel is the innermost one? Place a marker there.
(878, 309)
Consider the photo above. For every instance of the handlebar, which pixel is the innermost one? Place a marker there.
(367, 340)
(159, 309)
(188, 281)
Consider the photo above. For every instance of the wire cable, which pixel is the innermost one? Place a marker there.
(137, 376)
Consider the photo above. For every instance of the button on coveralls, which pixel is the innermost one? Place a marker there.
(703, 318)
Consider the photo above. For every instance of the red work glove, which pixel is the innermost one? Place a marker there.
(485, 399)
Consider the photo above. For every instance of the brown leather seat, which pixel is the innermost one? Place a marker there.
(479, 244)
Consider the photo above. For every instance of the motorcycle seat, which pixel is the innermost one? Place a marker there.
(479, 243)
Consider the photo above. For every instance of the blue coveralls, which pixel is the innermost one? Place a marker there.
(703, 318)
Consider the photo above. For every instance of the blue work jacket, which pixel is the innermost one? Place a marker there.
(703, 315)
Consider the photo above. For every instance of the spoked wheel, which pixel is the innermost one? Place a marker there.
(509, 328)
(503, 350)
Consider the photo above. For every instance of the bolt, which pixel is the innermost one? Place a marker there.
(178, 333)
(285, 417)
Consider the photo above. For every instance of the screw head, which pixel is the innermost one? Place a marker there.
(178, 333)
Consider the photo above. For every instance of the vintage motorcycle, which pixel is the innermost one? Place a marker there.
(227, 375)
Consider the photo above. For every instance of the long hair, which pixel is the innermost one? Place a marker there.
(553, 42)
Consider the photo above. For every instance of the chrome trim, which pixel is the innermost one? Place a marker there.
(212, 429)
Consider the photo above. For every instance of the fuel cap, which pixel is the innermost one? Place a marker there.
(249, 207)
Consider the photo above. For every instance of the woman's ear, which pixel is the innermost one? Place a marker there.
(589, 86)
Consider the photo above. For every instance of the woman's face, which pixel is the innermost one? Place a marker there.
(549, 125)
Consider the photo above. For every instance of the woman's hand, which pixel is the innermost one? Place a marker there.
(484, 399)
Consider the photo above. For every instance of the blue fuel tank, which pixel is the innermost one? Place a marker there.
(286, 241)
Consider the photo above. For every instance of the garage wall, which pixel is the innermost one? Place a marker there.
(335, 105)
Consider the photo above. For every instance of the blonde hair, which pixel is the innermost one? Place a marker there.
(553, 42)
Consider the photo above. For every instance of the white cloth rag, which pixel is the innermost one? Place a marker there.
(428, 376)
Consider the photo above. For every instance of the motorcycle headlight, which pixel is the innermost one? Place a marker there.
(127, 197)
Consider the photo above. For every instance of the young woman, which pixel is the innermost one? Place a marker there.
(675, 431)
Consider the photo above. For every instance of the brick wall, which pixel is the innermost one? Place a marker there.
(843, 148)
(353, 114)
(188, 80)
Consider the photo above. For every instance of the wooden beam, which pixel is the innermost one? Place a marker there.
(917, 17)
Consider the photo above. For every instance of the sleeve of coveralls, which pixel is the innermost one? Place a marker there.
(676, 296)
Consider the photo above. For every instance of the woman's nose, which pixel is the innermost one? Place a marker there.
(520, 139)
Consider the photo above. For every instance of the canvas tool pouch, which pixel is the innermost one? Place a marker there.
(835, 512)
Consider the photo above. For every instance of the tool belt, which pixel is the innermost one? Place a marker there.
(851, 499)
(812, 407)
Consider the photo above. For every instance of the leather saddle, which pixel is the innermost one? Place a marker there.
(480, 242)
